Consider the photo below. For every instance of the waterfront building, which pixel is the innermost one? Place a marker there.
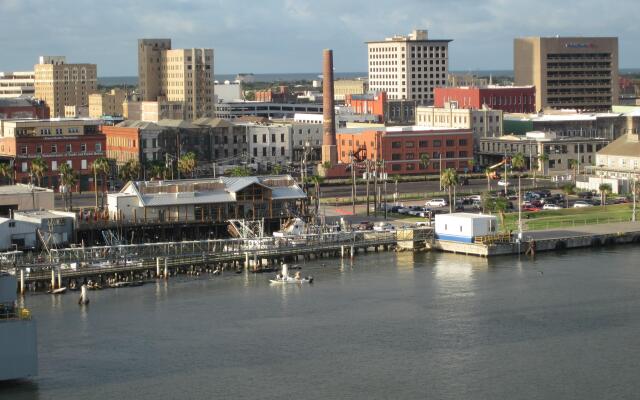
(103, 104)
(20, 107)
(559, 150)
(214, 199)
(176, 75)
(464, 227)
(513, 99)
(408, 67)
(76, 142)
(20, 197)
(60, 84)
(569, 72)
(17, 84)
(402, 148)
(483, 122)
(345, 87)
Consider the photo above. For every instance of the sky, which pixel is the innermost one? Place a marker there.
(281, 36)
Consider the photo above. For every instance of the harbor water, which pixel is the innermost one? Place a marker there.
(387, 326)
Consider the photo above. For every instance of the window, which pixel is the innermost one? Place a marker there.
(409, 145)
(451, 142)
(396, 145)
(411, 167)
(450, 154)
(396, 167)
(23, 150)
(255, 152)
(38, 149)
(282, 151)
(273, 138)
(54, 165)
(462, 154)
(396, 157)
(462, 142)
(255, 138)
(282, 137)
(98, 147)
(68, 148)
(83, 164)
(437, 143)
(410, 156)
(24, 167)
(264, 138)
(423, 143)
(54, 148)
(70, 163)
(83, 147)
(264, 152)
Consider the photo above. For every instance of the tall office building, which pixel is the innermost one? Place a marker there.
(408, 67)
(569, 72)
(60, 84)
(177, 75)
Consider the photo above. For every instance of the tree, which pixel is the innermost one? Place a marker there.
(518, 162)
(101, 168)
(542, 159)
(395, 178)
(187, 163)
(68, 179)
(6, 172)
(276, 169)
(534, 168)
(605, 190)
(573, 164)
(449, 178)
(316, 181)
(239, 170)
(497, 205)
(130, 171)
(326, 165)
(38, 168)
(157, 170)
(424, 161)
(568, 189)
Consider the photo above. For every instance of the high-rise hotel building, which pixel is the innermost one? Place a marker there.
(60, 84)
(179, 77)
(569, 72)
(408, 67)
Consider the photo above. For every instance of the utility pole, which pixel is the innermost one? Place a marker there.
(633, 216)
(505, 172)
(353, 184)
(440, 169)
(376, 189)
(367, 164)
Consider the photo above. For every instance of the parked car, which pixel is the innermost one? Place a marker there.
(383, 226)
(476, 197)
(503, 183)
(581, 204)
(364, 226)
(530, 208)
(394, 209)
(585, 195)
(416, 210)
(551, 206)
(436, 203)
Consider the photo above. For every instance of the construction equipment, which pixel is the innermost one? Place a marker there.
(492, 172)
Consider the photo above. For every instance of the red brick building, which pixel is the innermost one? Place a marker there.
(18, 108)
(402, 148)
(77, 142)
(367, 103)
(269, 96)
(512, 99)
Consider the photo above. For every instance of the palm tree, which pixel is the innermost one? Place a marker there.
(157, 170)
(395, 178)
(187, 163)
(69, 178)
(542, 159)
(568, 189)
(6, 172)
(240, 170)
(100, 167)
(470, 164)
(424, 162)
(518, 162)
(276, 169)
(534, 168)
(449, 178)
(130, 171)
(38, 168)
(573, 164)
(605, 189)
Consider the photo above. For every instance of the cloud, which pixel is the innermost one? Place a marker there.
(289, 35)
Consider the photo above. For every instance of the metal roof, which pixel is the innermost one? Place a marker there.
(132, 123)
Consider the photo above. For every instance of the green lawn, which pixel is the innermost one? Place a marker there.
(569, 217)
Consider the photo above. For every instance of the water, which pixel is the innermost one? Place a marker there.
(390, 326)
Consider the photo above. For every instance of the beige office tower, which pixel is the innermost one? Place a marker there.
(60, 84)
(177, 75)
(408, 67)
(569, 72)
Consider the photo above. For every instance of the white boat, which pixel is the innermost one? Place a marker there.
(59, 291)
(284, 278)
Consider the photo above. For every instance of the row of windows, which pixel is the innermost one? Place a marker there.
(412, 166)
(273, 151)
(273, 138)
(434, 155)
(24, 167)
(425, 143)
(24, 150)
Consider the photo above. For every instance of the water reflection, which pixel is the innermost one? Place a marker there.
(455, 272)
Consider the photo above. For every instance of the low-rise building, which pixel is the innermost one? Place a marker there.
(346, 87)
(227, 91)
(54, 228)
(215, 199)
(102, 104)
(483, 122)
(403, 148)
(22, 197)
(21, 108)
(269, 144)
(17, 84)
(558, 151)
(237, 109)
(76, 142)
(513, 99)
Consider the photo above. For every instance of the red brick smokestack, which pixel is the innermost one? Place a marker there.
(329, 150)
